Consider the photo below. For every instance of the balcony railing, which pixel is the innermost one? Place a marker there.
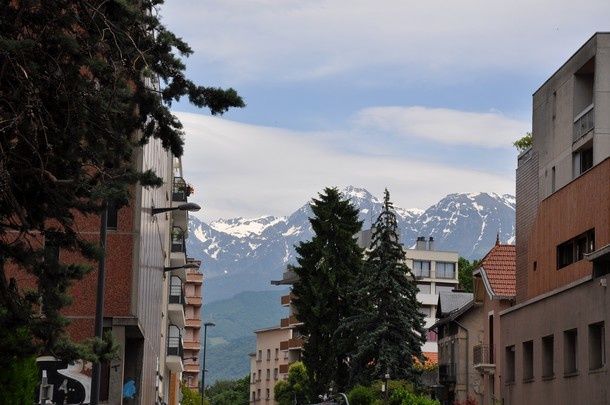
(179, 192)
(193, 323)
(482, 356)
(176, 294)
(584, 122)
(294, 343)
(174, 346)
(446, 373)
(178, 243)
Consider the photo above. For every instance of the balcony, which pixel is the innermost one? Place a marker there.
(290, 321)
(584, 122)
(194, 278)
(194, 301)
(175, 306)
(284, 368)
(292, 344)
(287, 299)
(191, 368)
(178, 252)
(193, 323)
(483, 359)
(446, 373)
(174, 354)
(191, 345)
(180, 190)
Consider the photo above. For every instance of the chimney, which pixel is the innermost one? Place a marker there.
(431, 243)
(421, 243)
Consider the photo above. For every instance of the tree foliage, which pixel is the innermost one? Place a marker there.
(328, 266)
(18, 382)
(465, 269)
(295, 388)
(524, 142)
(229, 392)
(79, 95)
(388, 329)
(191, 397)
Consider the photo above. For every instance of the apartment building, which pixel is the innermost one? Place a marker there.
(192, 339)
(435, 271)
(554, 339)
(144, 300)
(268, 363)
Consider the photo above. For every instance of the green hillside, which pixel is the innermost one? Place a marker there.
(230, 341)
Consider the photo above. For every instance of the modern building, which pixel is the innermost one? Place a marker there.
(460, 330)
(268, 363)
(436, 272)
(144, 299)
(494, 291)
(554, 339)
(192, 340)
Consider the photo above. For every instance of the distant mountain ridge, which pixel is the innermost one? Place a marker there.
(241, 254)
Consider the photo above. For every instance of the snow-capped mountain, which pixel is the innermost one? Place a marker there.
(245, 254)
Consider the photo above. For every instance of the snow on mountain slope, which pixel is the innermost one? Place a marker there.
(245, 254)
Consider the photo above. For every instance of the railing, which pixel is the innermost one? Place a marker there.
(446, 373)
(176, 294)
(179, 189)
(174, 346)
(482, 354)
(584, 122)
(178, 243)
(294, 343)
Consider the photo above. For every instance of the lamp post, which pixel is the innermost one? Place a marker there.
(192, 207)
(203, 370)
(387, 389)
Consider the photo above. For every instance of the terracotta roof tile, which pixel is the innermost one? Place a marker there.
(431, 357)
(499, 267)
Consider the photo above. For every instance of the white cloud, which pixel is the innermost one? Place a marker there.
(443, 125)
(437, 39)
(246, 170)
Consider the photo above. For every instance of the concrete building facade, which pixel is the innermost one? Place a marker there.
(268, 363)
(435, 272)
(563, 240)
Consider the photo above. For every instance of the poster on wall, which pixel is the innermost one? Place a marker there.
(66, 383)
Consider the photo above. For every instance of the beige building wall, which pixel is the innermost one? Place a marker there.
(432, 285)
(267, 364)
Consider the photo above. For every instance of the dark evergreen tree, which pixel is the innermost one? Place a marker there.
(388, 328)
(79, 94)
(328, 266)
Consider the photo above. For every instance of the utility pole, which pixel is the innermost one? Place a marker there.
(99, 304)
(205, 338)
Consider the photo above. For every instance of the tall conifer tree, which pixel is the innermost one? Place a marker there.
(388, 328)
(327, 268)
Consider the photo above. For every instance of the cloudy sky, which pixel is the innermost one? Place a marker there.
(424, 98)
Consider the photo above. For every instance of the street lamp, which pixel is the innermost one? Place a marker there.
(387, 389)
(203, 370)
(184, 266)
(182, 207)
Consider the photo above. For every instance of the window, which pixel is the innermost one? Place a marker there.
(260, 355)
(268, 354)
(441, 288)
(268, 374)
(570, 338)
(277, 353)
(275, 373)
(253, 395)
(112, 216)
(431, 336)
(582, 161)
(424, 288)
(421, 268)
(548, 343)
(445, 270)
(510, 364)
(553, 179)
(528, 360)
(253, 378)
(597, 349)
(258, 393)
(259, 375)
(575, 249)
(268, 392)
(535, 265)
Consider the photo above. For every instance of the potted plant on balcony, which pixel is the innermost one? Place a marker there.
(188, 189)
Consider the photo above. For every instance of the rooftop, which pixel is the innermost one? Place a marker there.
(498, 271)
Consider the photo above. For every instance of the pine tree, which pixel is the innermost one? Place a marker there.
(388, 328)
(80, 94)
(327, 268)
